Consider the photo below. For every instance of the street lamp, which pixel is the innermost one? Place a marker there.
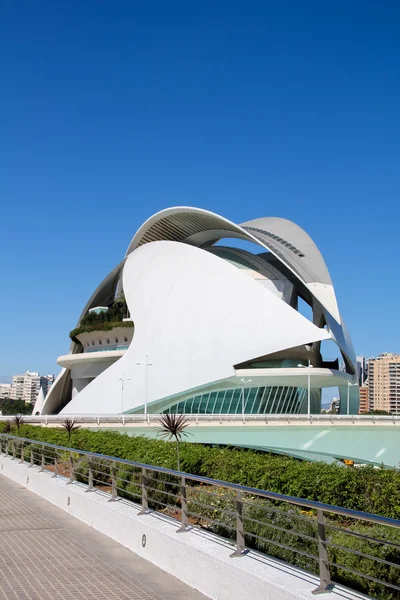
(122, 380)
(146, 365)
(308, 386)
(349, 385)
(243, 382)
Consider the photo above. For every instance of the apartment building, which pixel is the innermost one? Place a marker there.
(384, 383)
(25, 386)
(364, 402)
(5, 390)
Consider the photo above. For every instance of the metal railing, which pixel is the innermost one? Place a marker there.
(319, 538)
(265, 419)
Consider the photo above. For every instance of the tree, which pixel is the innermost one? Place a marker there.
(18, 420)
(70, 426)
(173, 426)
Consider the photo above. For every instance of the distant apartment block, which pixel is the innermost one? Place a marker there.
(364, 402)
(384, 383)
(5, 390)
(362, 370)
(46, 381)
(25, 386)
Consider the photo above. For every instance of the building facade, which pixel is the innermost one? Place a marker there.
(384, 383)
(364, 400)
(5, 390)
(214, 328)
(362, 370)
(25, 386)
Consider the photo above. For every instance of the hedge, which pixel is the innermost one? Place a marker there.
(366, 489)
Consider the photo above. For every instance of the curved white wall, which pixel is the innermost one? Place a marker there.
(196, 316)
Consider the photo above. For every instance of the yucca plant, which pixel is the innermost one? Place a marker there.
(18, 420)
(7, 427)
(70, 426)
(173, 427)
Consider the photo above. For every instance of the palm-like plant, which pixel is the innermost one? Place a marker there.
(7, 427)
(70, 426)
(18, 420)
(173, 427)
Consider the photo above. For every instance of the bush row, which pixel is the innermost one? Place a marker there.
(367, 489)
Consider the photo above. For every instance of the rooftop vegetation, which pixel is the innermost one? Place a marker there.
(104, 321)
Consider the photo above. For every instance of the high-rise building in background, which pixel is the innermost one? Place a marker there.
(25, 386)
(46, 381)
(362, 370)
(5, 390)
(364, 402)
(384, 383)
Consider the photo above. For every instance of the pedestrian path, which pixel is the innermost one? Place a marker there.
(48, 555)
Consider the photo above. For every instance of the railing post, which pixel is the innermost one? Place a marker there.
(325, 584)
(184, 508)
(90, 478)
(145, 504)
(42, 460)
(31, 457)
(6, 448)
(240, 541)
(22, 453)
(72, 477)
(113, 474)
(13, 449)
(55, 465)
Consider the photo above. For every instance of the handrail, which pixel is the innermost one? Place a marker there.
(143, 485)
(338, 510)
(195, 418)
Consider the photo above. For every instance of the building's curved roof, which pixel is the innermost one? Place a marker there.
(202, 228)
(293, 247)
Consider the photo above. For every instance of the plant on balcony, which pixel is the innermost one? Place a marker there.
(104, 321)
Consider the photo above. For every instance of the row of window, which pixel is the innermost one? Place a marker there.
(107, 341)
(277, 239)
(262, 400)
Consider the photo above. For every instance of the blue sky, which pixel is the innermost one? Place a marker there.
(113, 111)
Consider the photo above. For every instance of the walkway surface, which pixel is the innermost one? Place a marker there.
(48, 555)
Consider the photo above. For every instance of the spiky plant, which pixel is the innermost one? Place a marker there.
(18, 420)
(70, 426)
(7, 427)
(173, 427)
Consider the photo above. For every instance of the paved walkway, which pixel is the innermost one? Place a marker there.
(48, 555)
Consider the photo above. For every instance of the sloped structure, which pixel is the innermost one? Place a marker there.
(211, 327)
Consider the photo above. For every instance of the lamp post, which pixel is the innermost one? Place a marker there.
(146, 364)
(122, 380)
(243, 382)
(308, 386)
(349, 385)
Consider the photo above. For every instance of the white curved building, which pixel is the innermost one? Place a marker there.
(210, 327)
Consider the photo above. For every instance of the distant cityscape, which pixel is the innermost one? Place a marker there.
(26, 387)
(379, 383)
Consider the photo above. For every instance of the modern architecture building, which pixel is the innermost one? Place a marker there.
(25, 386)
(364, 401)
(205, 316)
(384, 383)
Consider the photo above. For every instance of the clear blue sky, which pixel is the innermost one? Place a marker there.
(112, 111)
